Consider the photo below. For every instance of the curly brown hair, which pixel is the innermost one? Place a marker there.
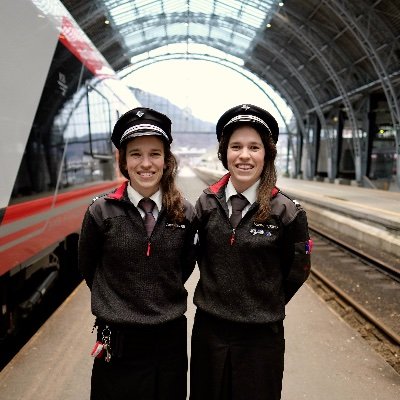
(268, 175)
(172, 198)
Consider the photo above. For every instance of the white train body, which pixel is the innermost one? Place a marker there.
(59, 101)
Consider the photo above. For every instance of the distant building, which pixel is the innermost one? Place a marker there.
(193, 137)
(182, 118)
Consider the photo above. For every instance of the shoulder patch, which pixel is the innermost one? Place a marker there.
(297, 203)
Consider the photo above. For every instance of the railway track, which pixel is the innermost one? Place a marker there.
(363, 289)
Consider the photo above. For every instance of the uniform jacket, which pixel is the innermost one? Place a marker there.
(249, 274)
(135, 279)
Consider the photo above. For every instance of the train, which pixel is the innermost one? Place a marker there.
(59, 102)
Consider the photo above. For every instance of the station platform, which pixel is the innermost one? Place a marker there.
(372, 205)
(368, 216)
(325, 358)
(361, 215)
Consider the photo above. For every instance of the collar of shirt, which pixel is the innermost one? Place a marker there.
(250, 194)
(135, 197)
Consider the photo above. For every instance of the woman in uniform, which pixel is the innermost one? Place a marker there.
(254, 255)
(136, 251)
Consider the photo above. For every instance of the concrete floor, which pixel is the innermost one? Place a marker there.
(325, 358)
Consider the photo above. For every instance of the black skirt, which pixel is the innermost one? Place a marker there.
(147, 363)
(236, 361)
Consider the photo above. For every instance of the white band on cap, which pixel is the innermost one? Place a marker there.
(151, 129)
(248, 118)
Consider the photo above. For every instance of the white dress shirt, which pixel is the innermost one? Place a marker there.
(135, 197)
(250, 194)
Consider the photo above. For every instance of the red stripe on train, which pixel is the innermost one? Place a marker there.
(57, 229)
(83, 50)
(40, 236)
(22, 232)
(28, 208)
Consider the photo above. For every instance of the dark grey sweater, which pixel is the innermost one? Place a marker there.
(133, 279)
(248, 275)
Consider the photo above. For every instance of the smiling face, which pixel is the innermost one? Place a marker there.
(145, 159)
(245, 157)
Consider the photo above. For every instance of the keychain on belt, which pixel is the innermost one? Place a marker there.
(103, 346)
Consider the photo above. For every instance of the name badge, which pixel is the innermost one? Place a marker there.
(262, 229)
(183, 226)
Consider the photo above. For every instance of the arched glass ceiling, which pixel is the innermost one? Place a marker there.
(183, 50)
(283, 111)
(227, 25)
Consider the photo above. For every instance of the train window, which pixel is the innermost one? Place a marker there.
(74, 148)
(99, 124)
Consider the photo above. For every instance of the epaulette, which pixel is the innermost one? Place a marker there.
(98, 197)
(296, 202)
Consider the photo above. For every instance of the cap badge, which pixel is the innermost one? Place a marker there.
(245, 107)
(140, 114)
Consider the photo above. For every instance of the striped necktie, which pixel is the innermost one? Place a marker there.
(239, 202)
(147, 205)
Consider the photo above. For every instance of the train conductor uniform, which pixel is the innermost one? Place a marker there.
(136, 251)
(254, 255)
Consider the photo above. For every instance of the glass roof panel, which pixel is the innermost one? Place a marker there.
(205, 7)
(134, 38)
(176, 29)
(183, 49)
(175, 6)
(198, 30)
(232, 24)
(149, 7)
(155, 33)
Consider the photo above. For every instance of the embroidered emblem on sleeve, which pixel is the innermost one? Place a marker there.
(309, 245)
